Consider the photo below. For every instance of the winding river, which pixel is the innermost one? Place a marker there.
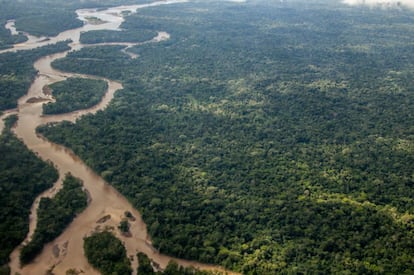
(66, 251)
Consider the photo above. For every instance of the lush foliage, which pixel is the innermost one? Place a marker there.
(40, 18)
(107, 254)
(103, 36)
(95, 60)
(17, 72)
(174, 269)
(7, 39)
(144, 264)
(75, 94)
(145, 268)
(47, 25)
(266, 137)
(54, 215)
(22, 177)
(45, 17)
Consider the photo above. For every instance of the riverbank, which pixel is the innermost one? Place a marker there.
(104, 199)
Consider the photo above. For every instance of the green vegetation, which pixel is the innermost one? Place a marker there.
(4, 270)
(266, 137)
(44, 24)
(107, 254)
(174, 269)
(145, 268)
(94, 20)
(38, 18)
(46, 17)
(22, 177)
(75, 94)
(17, 72)
(95, 60)
(124, 226)
(7, 39)
(54, 215)
(144, 264)
(103, 36)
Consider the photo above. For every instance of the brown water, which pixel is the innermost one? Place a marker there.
(66, 251)
(10, 26)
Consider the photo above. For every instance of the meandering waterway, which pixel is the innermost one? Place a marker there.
(66, 252)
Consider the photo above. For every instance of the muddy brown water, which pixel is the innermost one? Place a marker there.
(66, 251)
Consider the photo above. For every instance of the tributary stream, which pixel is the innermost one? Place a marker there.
(66, 251)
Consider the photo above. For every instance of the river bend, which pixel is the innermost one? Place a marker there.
(66, 251)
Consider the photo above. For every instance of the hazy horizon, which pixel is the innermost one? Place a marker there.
(383, 3)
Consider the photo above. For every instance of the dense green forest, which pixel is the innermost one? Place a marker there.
(97, 61)
(46, 17)
(263, 136)
(39, 18)
(145, 268)
(266, 137)
(75, 94)
(103, 36)
(17, 72)
(54, 215)
(106, 253)
(6, 39)
(22, 177)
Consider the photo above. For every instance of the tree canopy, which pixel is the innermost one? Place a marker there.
(262, 136)
(54, 215)
(107, 254)
(266, 136)
(75, 94)
(22, 177)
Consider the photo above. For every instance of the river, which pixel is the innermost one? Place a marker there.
(66, 251)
